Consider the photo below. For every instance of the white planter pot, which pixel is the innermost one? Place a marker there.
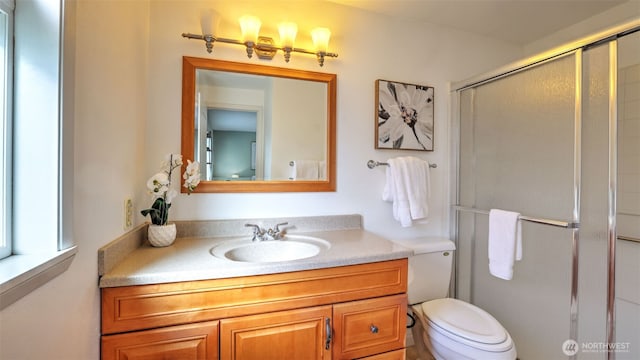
(161, 235)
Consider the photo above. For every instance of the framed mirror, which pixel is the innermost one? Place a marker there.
(256, 128)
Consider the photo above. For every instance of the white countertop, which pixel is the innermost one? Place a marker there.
(190, 259)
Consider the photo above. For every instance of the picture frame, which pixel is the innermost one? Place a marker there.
(404, 116)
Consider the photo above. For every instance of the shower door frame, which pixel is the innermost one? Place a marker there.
(575, 49)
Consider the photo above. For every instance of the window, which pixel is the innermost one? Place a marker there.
(37, 143)
(6, 37)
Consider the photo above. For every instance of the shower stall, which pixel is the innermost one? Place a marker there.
(556, 138)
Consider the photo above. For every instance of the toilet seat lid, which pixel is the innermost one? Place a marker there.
(465, 320)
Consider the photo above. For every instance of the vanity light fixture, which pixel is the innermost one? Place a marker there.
(264, 47)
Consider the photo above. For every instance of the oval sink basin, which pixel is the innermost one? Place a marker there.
(292, 247)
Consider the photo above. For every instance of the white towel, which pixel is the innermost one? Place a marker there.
(305, 170)
(322, 170)
(505, 242)
(408, 188)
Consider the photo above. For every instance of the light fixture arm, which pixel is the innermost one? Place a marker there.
(209, 40)
(249, 45)
(264, 47)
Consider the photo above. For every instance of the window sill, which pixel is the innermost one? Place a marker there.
(21, 274)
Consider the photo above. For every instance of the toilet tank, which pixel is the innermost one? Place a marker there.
(429, 268)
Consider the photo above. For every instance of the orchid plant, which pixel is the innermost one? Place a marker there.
(159, 186)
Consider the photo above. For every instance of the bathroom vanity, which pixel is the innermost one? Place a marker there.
(348, 301)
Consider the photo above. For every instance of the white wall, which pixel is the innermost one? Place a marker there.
(128, 117)
(620, 14)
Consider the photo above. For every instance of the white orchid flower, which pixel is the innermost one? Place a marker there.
(171, 194)
(158, 184)
(191, 182)
(192, 168)
(177, 159)
(171, 161)
(191, 175)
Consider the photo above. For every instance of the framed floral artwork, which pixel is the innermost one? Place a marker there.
(404, 116)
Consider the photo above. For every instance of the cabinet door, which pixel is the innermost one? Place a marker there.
(391, 355)
(369, 327)
(293, 334)
(184, 342)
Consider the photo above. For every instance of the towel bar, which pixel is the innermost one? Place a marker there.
(628, 238)
(371, 164)
(558, 223)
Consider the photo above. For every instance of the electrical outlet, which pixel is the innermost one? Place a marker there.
(128, 213)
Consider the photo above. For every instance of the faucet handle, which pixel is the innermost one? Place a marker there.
(281, 224)
(254, 226)
(257, 231)
(276, 233)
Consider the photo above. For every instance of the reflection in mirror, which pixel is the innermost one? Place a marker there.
(256, 128)
(230, 145)
(628, 202)
(238, 109)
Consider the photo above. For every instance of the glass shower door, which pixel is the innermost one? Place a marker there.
(627, 299)
(517, 153)
(558, 140)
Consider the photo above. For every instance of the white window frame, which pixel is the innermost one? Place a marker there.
(6, 8)
(41, 212)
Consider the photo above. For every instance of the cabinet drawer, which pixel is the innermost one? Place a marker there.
(197, 341)
(369, 326)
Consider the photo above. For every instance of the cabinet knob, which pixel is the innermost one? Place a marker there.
(374, 329)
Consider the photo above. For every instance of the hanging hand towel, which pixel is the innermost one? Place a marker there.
(408, 188)
(505, 242)
(305, 170)
(322, 170)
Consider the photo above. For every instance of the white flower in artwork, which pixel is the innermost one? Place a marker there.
(405, 116)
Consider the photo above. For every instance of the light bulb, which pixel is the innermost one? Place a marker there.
(320, 37)
(288, 32)
(250, 27)
(209, 20)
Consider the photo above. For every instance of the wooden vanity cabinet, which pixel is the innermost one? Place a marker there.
(347, 312)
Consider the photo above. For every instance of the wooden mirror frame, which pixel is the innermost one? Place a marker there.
(189, 67)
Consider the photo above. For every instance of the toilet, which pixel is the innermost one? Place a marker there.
(452, 329)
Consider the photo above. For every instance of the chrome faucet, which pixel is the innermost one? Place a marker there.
(276, 234)
(260, 234)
